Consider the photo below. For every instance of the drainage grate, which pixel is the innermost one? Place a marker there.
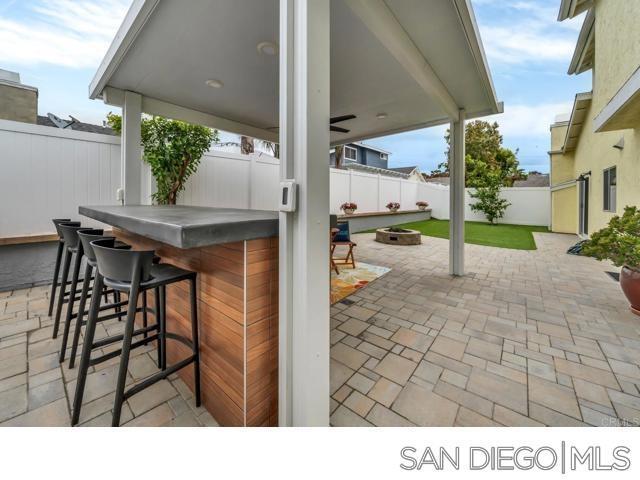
(614, 275)
(346, 301)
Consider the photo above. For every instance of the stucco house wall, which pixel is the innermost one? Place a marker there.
(617, 56)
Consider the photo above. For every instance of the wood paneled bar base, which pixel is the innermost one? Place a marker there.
(238, 318)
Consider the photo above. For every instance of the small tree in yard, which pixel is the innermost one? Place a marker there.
(173, 150)
(489, 201)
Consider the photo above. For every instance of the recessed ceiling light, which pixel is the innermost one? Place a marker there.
(214, 83)
(381, 116)
(268, 48)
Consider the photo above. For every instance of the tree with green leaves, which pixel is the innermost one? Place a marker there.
(484, 154)
(173, 149)
(490, 203)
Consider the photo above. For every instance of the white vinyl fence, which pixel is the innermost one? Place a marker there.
(47, 172)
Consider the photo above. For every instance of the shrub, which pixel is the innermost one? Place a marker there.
(489, 201)
(619, 241)
(393, 205)
(422, 204)
(173, 150)
(348, 206)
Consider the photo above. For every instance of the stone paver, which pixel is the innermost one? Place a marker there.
(525, 338)
(37, 391)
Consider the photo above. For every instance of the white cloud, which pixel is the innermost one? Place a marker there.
(527, 31)
(68, 33)
(529, 120)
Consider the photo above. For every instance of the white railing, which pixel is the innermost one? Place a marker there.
(47, 172)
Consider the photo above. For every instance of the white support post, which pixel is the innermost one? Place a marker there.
(131, 153)
(457, 196)
(304, 237)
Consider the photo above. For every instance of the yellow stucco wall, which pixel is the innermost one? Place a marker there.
(564, 208)
(617, 56)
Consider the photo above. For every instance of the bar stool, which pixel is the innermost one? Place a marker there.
(56, 269)
(133, 272)
(72, 240)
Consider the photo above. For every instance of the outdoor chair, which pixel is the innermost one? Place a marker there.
(133, 272)
(342, 238)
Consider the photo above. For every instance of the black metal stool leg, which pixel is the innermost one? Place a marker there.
(145, 319)
(56, 273)
(79, 319)
(72, 297)
(194, 338)
(124, 355)
(86, 348)
(163, 326)
(63, 288)
(156, 299)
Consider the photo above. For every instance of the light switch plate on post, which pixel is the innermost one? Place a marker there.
(288, 196)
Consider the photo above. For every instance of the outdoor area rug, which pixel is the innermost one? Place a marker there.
(351, 279)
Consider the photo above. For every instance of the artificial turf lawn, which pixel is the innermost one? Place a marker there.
(518, 237)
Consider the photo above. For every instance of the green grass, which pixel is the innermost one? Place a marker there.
(518, 237)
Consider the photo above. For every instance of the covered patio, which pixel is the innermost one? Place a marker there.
(279, 71)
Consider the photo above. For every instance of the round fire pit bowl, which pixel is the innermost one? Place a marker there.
(398, 236)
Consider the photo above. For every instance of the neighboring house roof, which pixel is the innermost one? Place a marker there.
(533, 180)
(374, 170)
(438, 180)
(581, 106)
(407, 170)
(76, 125)
(584, 54)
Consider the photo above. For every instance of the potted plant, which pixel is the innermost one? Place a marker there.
(422, 205)
(393, 206)
(348, 208)
(619, 242)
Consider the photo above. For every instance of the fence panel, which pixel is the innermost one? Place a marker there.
(48, 172)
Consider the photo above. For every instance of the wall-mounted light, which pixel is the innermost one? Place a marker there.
(381, 116)
(620, 144)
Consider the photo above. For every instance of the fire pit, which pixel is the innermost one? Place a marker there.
(398, 236)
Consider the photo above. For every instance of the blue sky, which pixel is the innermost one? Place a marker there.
(56, 46)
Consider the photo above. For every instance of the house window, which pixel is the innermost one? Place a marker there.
(351, 153)
(383, 156)
(609, 203)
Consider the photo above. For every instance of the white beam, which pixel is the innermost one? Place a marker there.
(131, 150)
(383, 24)
(153, 106)
(457, 195)
(304, 234)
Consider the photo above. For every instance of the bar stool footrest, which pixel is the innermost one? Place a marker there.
(156, 377)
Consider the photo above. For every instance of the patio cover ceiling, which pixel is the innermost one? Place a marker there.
(417, 61)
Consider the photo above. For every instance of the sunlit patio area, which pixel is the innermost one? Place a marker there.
(525, 338)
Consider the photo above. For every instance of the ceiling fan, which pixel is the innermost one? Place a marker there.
(342, 118)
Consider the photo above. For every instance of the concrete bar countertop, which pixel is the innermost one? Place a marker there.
(185, 226)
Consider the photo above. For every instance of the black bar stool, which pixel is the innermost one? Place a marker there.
(56, 269)
(133, 272)
(74, 245)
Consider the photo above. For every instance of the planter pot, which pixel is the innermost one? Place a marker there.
(630, 284)
(422, 207)
(348, 211)
(393, 210)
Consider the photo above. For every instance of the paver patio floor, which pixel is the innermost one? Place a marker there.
(36, 390)
(526, 338)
